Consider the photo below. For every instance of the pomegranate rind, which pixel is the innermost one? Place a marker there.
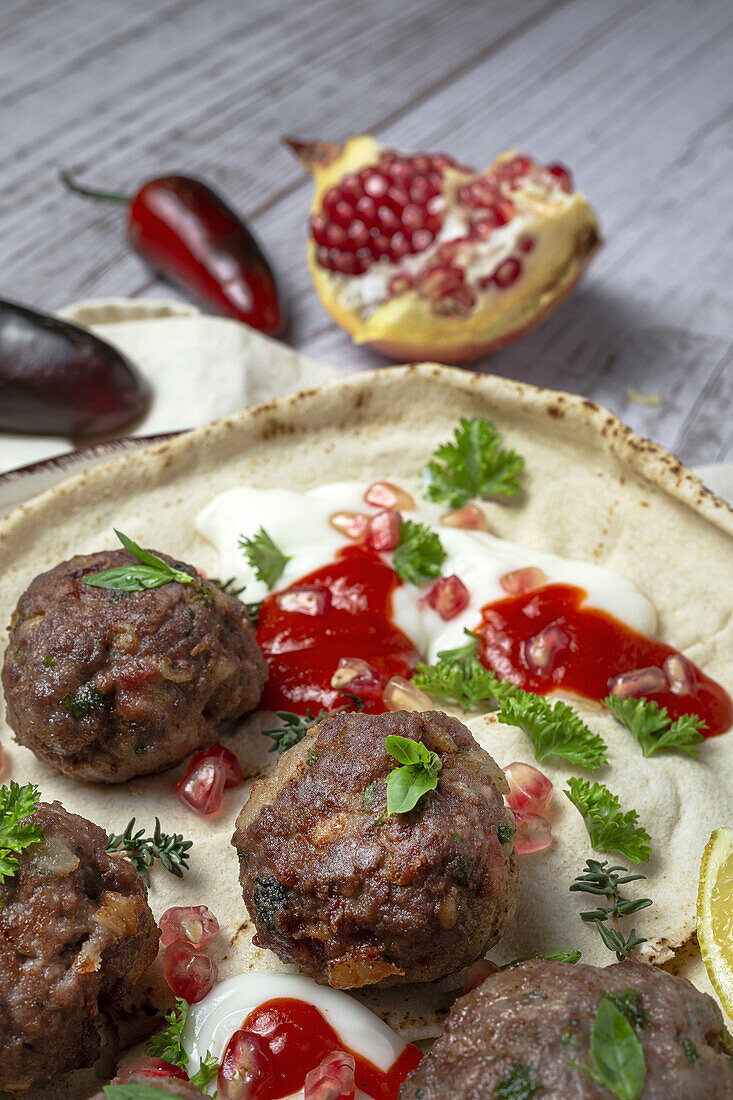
(406, 328)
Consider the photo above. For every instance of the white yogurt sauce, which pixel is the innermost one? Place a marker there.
(299, 525)
(211, 1023)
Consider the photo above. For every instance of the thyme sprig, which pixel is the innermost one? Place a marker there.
(142, 851)
(601, 880)
(294, 727)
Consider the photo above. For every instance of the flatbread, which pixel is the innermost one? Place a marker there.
(593, 491)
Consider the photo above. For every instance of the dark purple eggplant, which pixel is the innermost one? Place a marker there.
(59, 379)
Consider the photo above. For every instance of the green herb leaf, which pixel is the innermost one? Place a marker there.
(168, 1043)
(419, 553)
(206, 1072)
(137, 578)
(517, 1084)
(132, 1090)
(458, 676)
(267, 559)
(601, 880)
(473, 465)
(554, 729)
(418, 775)
(616, 1053)
(142, 851)
(86, 700)
(609, 829)
(653, 728)
(294, 727)
(229, 586)
(16, 833)
(551, 956)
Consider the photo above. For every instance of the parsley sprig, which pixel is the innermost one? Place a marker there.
(418, 775)
(652, 727)
(168, 1043)
(419, 553)
(152, 573)
(554, 729)
(609, 829)
(473, 465)
(617, 1056)
(142, 851)
(16, 832)
(600, 880)
(265, 557)
(206, 1073)
(458, 676)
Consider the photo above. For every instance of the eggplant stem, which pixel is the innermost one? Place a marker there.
(68, 180)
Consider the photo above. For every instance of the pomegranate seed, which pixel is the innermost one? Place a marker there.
(541, 651)
(383, 530)
(400, 247)
(388, 220)
(335, 236)
(461, 300)
(642, 681)
(380, 245)
(680, 675)
(529, 789)
(358, 234)
(194, 924)
(421, 239)
(526, 243)
(358, 677)
(400, 694)
(413, 217)
(305, 599)
(333, 1079)
(383, 494)
(351, 524)
(343, 262)
(478, 972)
(150, 1067)
(189, 973)
(202, 788)
(351, 188)
(533, 832)
(375, 185)
(343, 216)
(521, 165)
(470, 517)
(319, 228)
(507, 272)
(449, 597)
(367, 210)
(245, 1071)
(521, 581)
(218, 752)
(562, 175)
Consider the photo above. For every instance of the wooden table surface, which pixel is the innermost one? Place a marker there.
(635, 95)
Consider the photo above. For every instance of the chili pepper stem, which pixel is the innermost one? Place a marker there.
(68, 180)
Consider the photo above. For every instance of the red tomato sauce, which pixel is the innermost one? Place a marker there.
(299, 1037)
(600, 648)
(303, 651)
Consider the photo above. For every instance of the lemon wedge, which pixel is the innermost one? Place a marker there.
(715, 914)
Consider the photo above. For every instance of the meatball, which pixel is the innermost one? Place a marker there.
(357, 896)
(104, 684)
(532, 1024)
(166, 1086)
(76, 934)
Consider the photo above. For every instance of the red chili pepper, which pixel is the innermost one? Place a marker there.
(190, 235)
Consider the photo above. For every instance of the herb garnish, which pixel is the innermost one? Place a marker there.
(152, 573)
(253, 610)
(206, 1073)
(142, 851)
(458, 676)
(295, 726)
(418, 775)
(267, 559)
(168, 1043)
(554, 729)
(603, 881)
(132, 1090)
(473, 465)
(517, 1084)
(609, 829)
(616, 1054)
(86, 700)
(16, 833)
(653, 728)
(551, 956)
(419, 553)
(229, 586)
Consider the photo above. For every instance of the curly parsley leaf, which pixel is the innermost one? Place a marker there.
(152, 573)
(418, 774)
(419, 553)
(652, 727)
(168, 1043)
(16, 833)
(609, 829)
(459, 677)
(517, 1084)
(206, 1073)
(616, 1054)
(554, 729)
(142, 851)
(266, 559)
(473, 465)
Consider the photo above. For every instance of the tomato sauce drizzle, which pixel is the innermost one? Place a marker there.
(600, 648)
(299, 1037)
(303, 651)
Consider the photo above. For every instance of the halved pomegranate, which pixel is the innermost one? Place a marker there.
(424, 258)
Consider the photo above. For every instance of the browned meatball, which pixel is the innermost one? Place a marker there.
(76, 933)
(521, 1032)
(355, 895)
(166, 1086)
(105, 685)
